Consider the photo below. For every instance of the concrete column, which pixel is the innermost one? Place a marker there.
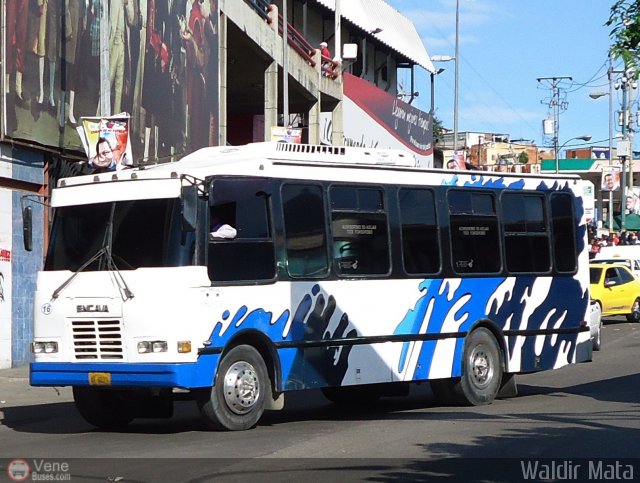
(223, 122)
(314, 122)
(316, 108)
(337, 136)
(270, 99)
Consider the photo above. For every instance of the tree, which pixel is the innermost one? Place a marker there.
(625, 35)
(523, 157)
(437, 130)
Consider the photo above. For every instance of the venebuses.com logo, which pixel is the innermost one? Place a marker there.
(18, 470)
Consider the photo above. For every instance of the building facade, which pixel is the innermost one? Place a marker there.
(189, 74)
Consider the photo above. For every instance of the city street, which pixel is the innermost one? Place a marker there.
(582, 413)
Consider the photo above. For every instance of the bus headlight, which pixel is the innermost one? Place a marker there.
(44, 347)
(148, 346)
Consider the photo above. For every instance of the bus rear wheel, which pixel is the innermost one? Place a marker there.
(237, 399)
(481, 373)
(105, 408)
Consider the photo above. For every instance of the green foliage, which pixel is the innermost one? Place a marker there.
(625, 34)
(523, 158)
(437, 130)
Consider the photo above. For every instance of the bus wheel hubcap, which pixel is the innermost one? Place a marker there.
(241, 387)
(481, 366)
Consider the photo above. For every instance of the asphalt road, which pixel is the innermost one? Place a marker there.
(580, 419)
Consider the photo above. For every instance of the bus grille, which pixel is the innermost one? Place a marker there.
(97, 339)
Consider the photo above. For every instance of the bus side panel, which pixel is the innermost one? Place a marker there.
(330, 336)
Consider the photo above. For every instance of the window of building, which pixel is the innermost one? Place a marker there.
(420, 245)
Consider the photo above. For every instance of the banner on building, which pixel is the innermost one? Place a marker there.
(106, 142)
(286, 135)
(374, 118)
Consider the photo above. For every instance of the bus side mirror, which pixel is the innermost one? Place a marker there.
(189, 197)
(27, 228)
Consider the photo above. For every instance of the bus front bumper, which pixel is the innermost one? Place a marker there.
(184, 375)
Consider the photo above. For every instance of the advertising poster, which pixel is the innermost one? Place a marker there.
(370, 113)
(286, 135)
(610, 178)
(106, 142)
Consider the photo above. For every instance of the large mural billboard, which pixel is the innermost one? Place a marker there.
(162, 72)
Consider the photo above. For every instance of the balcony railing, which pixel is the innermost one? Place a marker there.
(329, 67)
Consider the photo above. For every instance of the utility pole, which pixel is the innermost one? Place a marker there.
(625, 148)
(455, 86)
(285, 65)
(557, 105)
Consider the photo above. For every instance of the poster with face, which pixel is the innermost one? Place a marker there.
(610, 178)
(106, 142)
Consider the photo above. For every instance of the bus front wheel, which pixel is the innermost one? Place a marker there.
(105, 408)
(237, 399)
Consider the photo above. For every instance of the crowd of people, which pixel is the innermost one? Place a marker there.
(599, 240)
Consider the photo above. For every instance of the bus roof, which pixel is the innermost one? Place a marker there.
(252, 159)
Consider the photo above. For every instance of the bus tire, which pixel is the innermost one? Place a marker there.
(238, 397)
(481, 369)
(105, 408)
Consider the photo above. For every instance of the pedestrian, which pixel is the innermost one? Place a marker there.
(325, 57)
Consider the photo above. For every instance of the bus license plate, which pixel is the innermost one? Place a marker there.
(100, 378)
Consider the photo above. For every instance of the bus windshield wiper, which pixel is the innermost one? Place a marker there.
(57, 291)
(110, 265)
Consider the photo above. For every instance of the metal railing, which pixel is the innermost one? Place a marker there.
(296, 40)
(262, 7)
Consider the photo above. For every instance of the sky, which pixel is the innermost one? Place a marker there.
(504, 47)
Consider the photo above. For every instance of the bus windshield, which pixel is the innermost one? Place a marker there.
(141, 233)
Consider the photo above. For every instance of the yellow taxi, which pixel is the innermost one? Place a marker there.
(615, 288)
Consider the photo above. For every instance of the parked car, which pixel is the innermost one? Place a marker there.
(632, 263)
(615, 289)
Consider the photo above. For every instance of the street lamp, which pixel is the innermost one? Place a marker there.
(433, 88)
(585, 138)
(449, 58)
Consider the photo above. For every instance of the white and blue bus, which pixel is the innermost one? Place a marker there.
(345, 269)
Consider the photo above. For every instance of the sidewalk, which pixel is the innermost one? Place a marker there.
(16, 391)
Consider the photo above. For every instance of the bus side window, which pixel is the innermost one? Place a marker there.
(474, 232)
(359, 229)
(250, 255)
(305, 230)
(420, 244)
(564, 233)
(526, 237)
